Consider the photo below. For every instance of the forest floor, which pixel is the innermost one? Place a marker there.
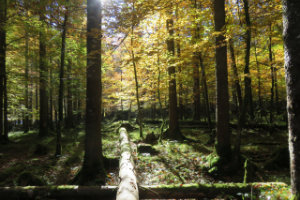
(29, 159)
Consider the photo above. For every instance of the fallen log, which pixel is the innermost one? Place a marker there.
(128, 189)
(210, 191)
(145, 192)
(58, 192)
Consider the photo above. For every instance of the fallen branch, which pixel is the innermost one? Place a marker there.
(145, 192)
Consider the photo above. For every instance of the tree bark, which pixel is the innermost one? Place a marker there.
(70, 123)
(222, 107)
(205, 92)
(26, 97)
(139, 115)
(248, 100)
(174, 131)
(291, 13)
(61, 85)
(272, 78)
(3, 11)
(258, 75)
(93, 167)
(196, 73)
(240, 102)
(43, 123)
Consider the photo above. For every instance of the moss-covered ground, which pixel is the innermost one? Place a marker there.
(176, 162)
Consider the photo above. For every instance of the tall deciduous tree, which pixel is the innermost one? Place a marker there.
(222, 108)
(291, 34)
(43, 123)
(93, 158)
(61, 84)
(248, 100)
(196, 74)
(174, 131)
(3, 11)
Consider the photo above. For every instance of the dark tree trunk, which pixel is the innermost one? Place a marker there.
(240, 102)
(26, 117)
(272, 78)
(158, 88)
(196, 73)
(222, 107)
(205, 92)
(248, 100)
(180, 92)
(93, 167)
(51, 122)
(3, 7)
(43, 123)
(258, 75)
(291, 12)
(61, 85)
(70, 122)
(174, 131)
(236, 77)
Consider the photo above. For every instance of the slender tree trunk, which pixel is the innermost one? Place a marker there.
(248, 100)
(240, 102)
(222, 107)
(70, 122)
(236, 77)
(3, 7)
(43, 123)
(205, 92)
(36, 91)
(276, 92)
(291, 13)
(93, 167)
(61, 85)
(272, 78)
(180, 89)
(174, 131)
(51, 122)
(180, 92)
(196, 73)
(258, 75)
(26, 117)
(139, 116)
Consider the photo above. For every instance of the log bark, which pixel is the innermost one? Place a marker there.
(147, 192)
(128, 189)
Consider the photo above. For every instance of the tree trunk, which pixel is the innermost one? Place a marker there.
(139, 115)
(3, 11)
(258, 76)
(291, 29)
(205, 92)
(174, 131)
(272, 78)
(240, 102)
(93, 167)
(61, 85)
(51, 123)
(70, 122)
(222, 107)
(43, 123)
(196, 73)
(26, 117)
(248, 100)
